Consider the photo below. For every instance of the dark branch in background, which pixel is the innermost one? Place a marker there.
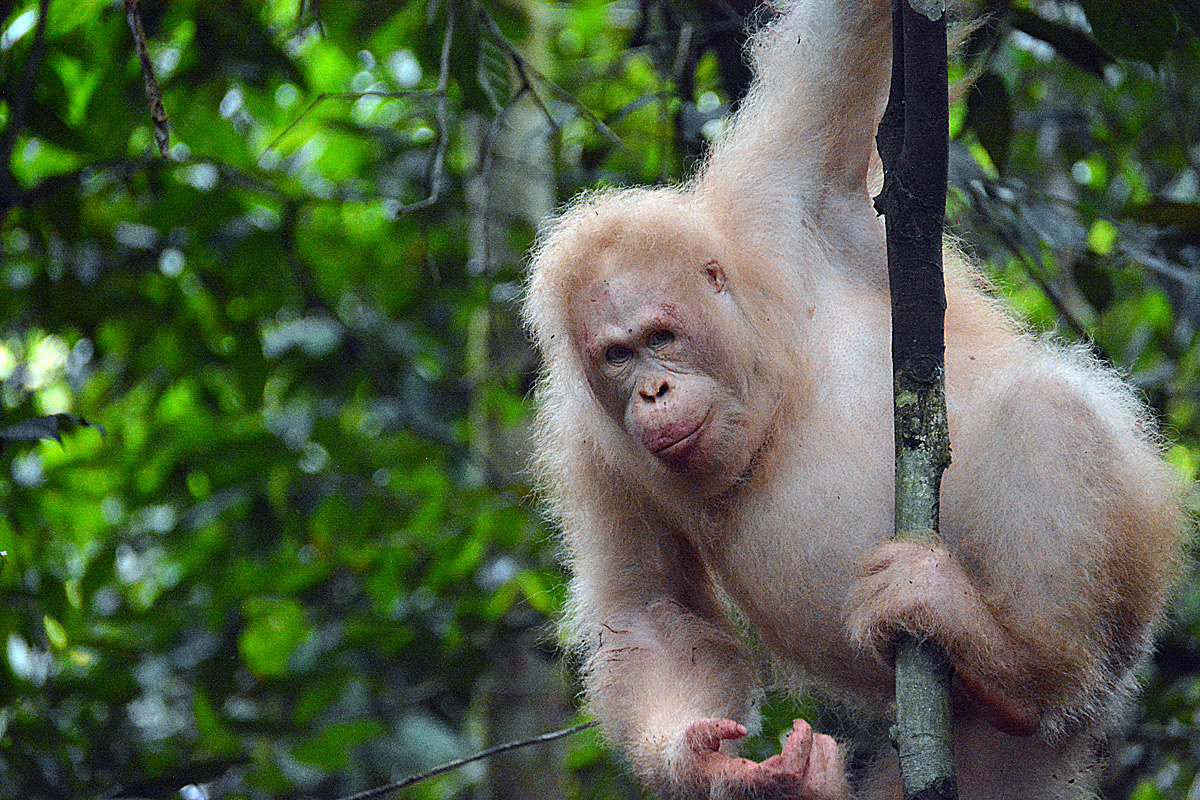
(677, 39)
(158, 114)
(19, 109)
(439, 150)
(913, 145)
(48, 426)
(528, 75)
(383, 791)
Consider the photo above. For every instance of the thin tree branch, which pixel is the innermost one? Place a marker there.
(529, 74)
(439, 151)
(158, 114)
(383, 791)
(323, 96)
(63, 180)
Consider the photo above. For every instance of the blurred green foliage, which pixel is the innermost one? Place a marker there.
(301, 558)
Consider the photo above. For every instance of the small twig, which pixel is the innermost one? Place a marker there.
(517, 61)
(683, 54)
(383, 791)
(528, 74)
(158, 114)
(439, 152)
(323, 96)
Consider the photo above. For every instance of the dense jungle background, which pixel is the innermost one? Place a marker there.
(294, 552)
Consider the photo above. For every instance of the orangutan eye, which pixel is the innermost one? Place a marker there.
(617, 354)
(660, 338)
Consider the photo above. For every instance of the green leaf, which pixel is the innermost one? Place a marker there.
(213, 733)
(1101, 237)
(55, 632)
(275, 628)
(331, 749)
(492, 72)
(1146, 790)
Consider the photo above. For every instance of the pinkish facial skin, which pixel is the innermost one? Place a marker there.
(649, 367)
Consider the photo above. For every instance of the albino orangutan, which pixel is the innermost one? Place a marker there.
(715, 436)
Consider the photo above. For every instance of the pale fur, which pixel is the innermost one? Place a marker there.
(1057, 509)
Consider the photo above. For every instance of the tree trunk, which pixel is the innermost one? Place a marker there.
(913, 144)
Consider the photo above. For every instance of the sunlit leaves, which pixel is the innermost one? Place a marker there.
(275, 627)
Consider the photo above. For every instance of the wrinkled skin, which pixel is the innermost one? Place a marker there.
(809, 766)
(657, 372)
